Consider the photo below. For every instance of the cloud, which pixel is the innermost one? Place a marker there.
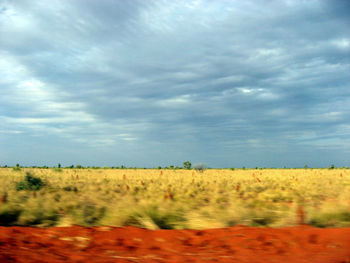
(174, 80)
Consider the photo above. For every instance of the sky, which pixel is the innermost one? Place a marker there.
(146, 83)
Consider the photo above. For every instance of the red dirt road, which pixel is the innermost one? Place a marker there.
(129, 244)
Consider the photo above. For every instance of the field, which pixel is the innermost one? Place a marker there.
(174, 215)
(175, 199)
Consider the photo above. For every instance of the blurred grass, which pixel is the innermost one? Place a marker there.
(175, 199)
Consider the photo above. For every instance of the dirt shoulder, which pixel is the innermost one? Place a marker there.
(129, 244)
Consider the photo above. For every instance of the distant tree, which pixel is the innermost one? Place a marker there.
(17, 165)
(306, 166)
(332, 166)
(187, 165)
(59, 165)
(200, 167)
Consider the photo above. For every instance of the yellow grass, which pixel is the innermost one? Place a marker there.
(155, 198)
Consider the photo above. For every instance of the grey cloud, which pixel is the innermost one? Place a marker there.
(182, 79)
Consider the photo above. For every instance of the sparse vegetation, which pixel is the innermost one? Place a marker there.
(175, 198)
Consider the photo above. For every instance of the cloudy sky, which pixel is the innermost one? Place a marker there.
(147, 83)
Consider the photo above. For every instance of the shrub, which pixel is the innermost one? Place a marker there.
(331, 219)
(30, 183)
(200, 167)
(92, 214)
(87, 213)
(17, 167)
(38, 215)
(9, 215)
(187, 165)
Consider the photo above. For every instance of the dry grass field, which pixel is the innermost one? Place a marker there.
(175, 199)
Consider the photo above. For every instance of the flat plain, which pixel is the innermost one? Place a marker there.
(175, 199)
(152, 215)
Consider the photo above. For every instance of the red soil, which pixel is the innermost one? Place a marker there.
(129, 244)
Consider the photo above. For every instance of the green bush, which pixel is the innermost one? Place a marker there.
(30, 182)
(9, 215)
(187, 165)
